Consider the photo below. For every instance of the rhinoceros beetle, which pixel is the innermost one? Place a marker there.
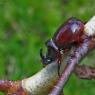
(69, 34)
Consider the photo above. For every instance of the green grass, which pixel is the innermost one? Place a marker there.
(24, 27)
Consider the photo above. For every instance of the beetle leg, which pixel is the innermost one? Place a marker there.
(59, 64)
(59, 57)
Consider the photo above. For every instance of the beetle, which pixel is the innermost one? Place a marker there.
(69, 34)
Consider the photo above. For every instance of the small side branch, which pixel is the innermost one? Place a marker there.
(84, 72)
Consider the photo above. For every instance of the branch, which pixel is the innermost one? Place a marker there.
(41, 83)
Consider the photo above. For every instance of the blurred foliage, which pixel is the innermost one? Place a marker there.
(24, 27)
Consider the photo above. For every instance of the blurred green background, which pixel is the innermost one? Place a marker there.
(24, 27)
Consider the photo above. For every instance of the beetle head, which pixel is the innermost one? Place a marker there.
(51, 53)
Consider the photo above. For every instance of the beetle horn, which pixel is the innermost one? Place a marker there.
(41, 54)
